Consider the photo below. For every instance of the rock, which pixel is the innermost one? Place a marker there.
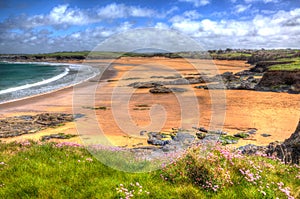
(142, 133)
(202, 129)
(280, 81)
(252, 131)
(201, 87)
(144, 84)
(289, 150)
(160, 90)
(25, 124)
(241, 135)
(251, 149)
(158, 142)
(57, 136)
(265, 135)
(200, 135)
(184, 137)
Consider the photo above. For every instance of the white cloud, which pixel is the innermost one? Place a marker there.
(187, 15)
(63, 16)
(161, 25)
(120, 10)
(241, 8)
(278, 30)
(187, 26)
(263, 1)
(197, 3)
(18, 35)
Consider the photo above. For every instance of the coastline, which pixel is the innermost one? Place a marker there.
(245, 109)
(68, 65)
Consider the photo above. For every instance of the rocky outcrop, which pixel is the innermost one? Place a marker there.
(280, 81)
(228, 80)
(263, 66)
(26, 124)
(289, 150)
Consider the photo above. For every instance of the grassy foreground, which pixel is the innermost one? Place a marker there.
(49, 170)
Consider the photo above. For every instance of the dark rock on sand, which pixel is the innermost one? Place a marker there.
(289, 150)
(160, 89)
(265, 135)
(57, 136)
(241, 135)
(16, 126)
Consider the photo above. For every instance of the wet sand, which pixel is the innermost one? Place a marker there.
(271, 113)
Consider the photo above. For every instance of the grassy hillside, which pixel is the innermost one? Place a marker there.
(49, 170)
(295, 65)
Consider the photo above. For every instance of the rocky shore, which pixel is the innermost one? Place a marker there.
(28, 124)
(287, 151)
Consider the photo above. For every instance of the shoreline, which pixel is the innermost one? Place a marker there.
(245, 109)
(51, 91)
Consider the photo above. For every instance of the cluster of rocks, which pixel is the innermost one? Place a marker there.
(253, 79)
(179, 81)
(228, 80)
(160, 86)
(201, 135)
(26, 124)
(171, 142)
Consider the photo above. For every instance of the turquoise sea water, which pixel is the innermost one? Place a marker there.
(15, 75)
(20, 80)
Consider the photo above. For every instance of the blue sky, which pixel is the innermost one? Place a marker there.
(49, 26)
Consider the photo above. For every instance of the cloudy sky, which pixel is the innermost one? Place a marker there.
(49, 26)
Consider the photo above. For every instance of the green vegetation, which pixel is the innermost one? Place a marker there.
(231, 56)
(63, 54)
(66, 170)
(295, 65)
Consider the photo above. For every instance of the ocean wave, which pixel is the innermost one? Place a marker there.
(37, 83)
(74, 74)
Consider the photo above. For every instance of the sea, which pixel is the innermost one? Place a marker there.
(20, 80)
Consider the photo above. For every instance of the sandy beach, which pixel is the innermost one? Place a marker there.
(276, 114)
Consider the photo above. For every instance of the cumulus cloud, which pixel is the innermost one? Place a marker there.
(38, 33)
(197, 3)
(62, 16)
(120, 10)
(258, 32)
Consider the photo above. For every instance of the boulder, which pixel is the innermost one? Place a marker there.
(289, 150)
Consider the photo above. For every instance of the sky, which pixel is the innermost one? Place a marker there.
(74, 25)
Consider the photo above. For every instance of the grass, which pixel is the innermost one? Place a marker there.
(49, 170)
(232, 55)
(287, 67)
